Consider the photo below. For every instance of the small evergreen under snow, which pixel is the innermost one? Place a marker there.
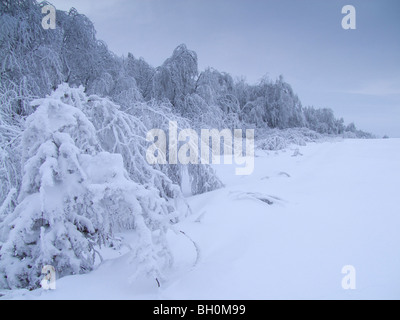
(75, 195)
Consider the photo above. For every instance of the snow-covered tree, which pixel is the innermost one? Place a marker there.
(10, 168)
(10, 155)
(176, 78)
(160, 116)
(213, 85)
(74, 196)
(143, 73)
(30, 62)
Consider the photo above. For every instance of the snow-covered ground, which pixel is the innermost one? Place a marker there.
(284, 232)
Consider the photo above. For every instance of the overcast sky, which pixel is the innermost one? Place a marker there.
(354, 72)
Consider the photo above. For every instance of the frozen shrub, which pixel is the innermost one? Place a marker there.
(74, 196)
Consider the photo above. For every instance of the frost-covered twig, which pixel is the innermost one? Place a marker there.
(197, 247)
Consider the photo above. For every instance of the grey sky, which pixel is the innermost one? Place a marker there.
(354, 72)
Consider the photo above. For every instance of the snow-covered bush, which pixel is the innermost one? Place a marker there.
(156, 115)
(203, 179)
(272, 140)
(74, 196)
